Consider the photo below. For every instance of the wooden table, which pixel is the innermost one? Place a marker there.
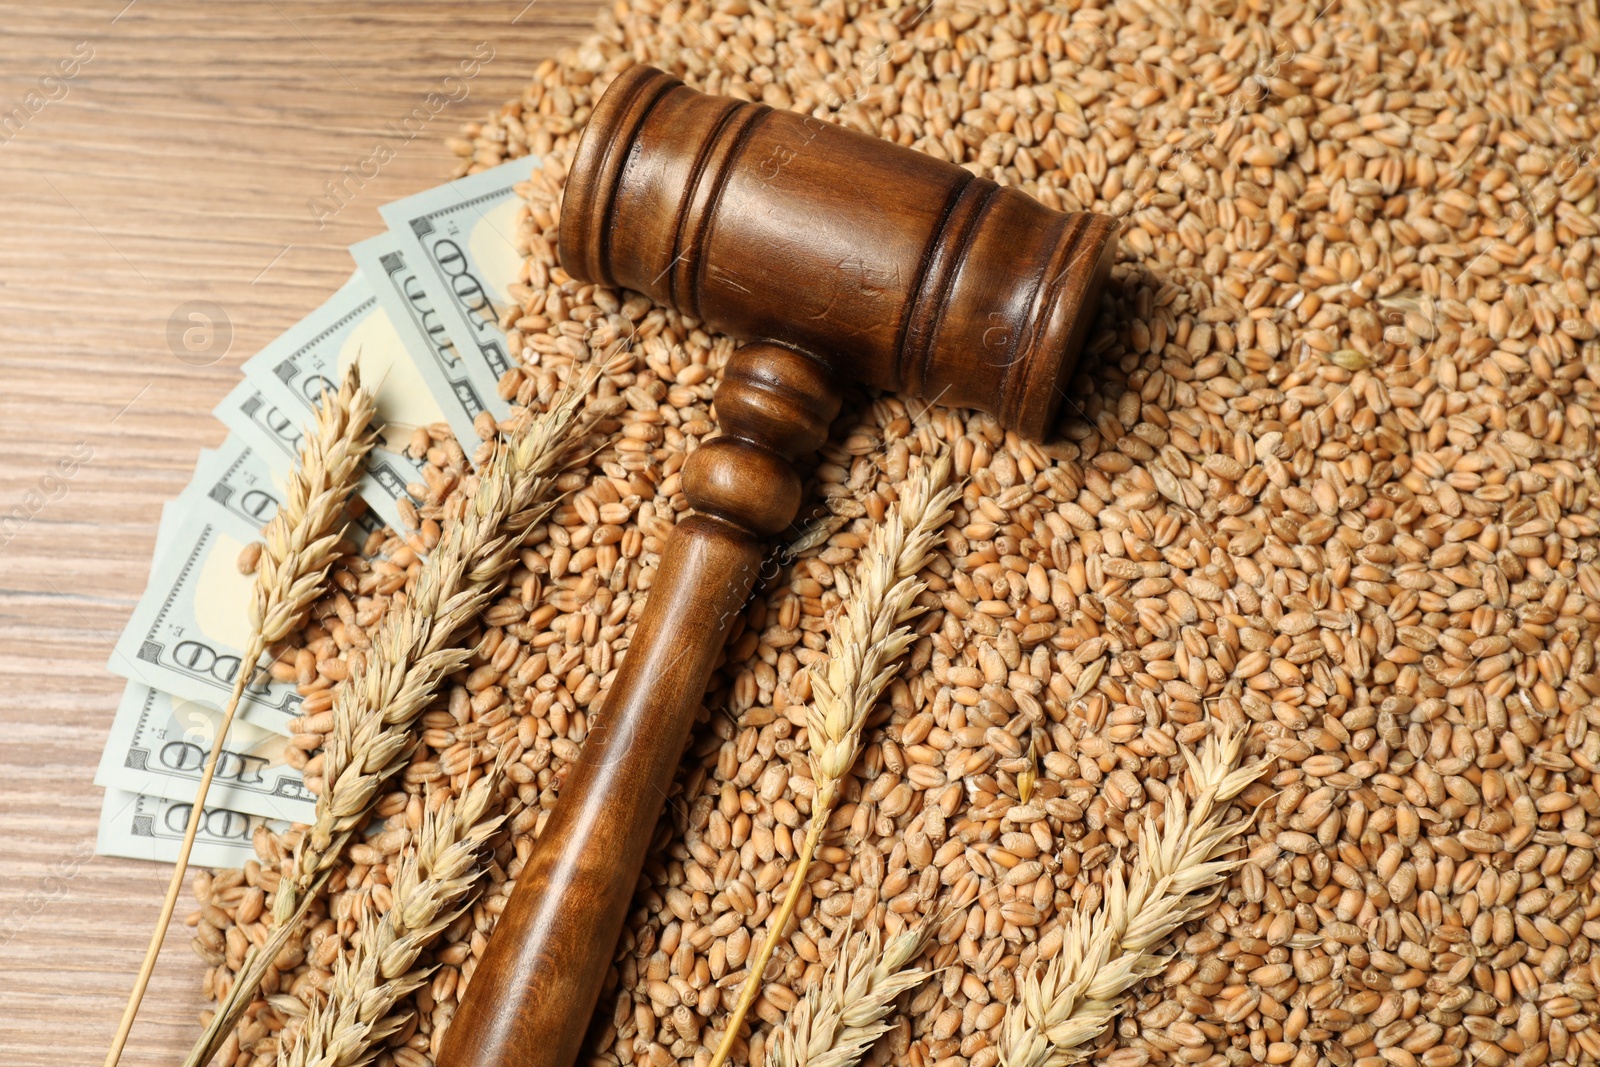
(178, 164)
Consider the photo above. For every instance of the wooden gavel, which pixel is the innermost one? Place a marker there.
(846, 258)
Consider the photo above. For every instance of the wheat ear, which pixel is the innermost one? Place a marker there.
(432, 887)
(843, 1015)
(300, 545)
(1056, 1018)
(415, 649)
(863, 651)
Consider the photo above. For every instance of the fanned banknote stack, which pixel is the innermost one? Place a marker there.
(422, 316)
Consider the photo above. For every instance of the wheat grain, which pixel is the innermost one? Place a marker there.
(840, 1018)
(431, 887)
(416, 647)
(301, 543)
(1256, 442)
(1056, 1016)
(863, 653)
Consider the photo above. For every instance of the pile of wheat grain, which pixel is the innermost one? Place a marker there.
(1328, 475)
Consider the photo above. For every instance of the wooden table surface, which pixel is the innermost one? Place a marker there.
(177, 165)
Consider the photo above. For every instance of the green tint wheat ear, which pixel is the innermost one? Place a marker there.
(300, 545)
(417, 646)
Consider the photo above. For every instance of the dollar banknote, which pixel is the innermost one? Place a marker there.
(401, 296)
(461, 240)
(159, 745)
(292, 372)
(188, 632)
(247, 486)
(251, 417)
(274, 434)
(143, 827)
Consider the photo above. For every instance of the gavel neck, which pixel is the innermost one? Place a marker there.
(774, 405)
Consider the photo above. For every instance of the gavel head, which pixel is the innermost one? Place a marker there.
(895, 269)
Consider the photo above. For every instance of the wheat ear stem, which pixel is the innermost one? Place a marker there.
(863, 655)
(1056, 1017)
(416, 647)
(300, 546)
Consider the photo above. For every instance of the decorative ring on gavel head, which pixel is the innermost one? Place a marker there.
(898, 270)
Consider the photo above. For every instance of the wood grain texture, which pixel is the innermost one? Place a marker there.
(901, 271)
(178, 165)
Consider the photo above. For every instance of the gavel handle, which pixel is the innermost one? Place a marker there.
(531, 995)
